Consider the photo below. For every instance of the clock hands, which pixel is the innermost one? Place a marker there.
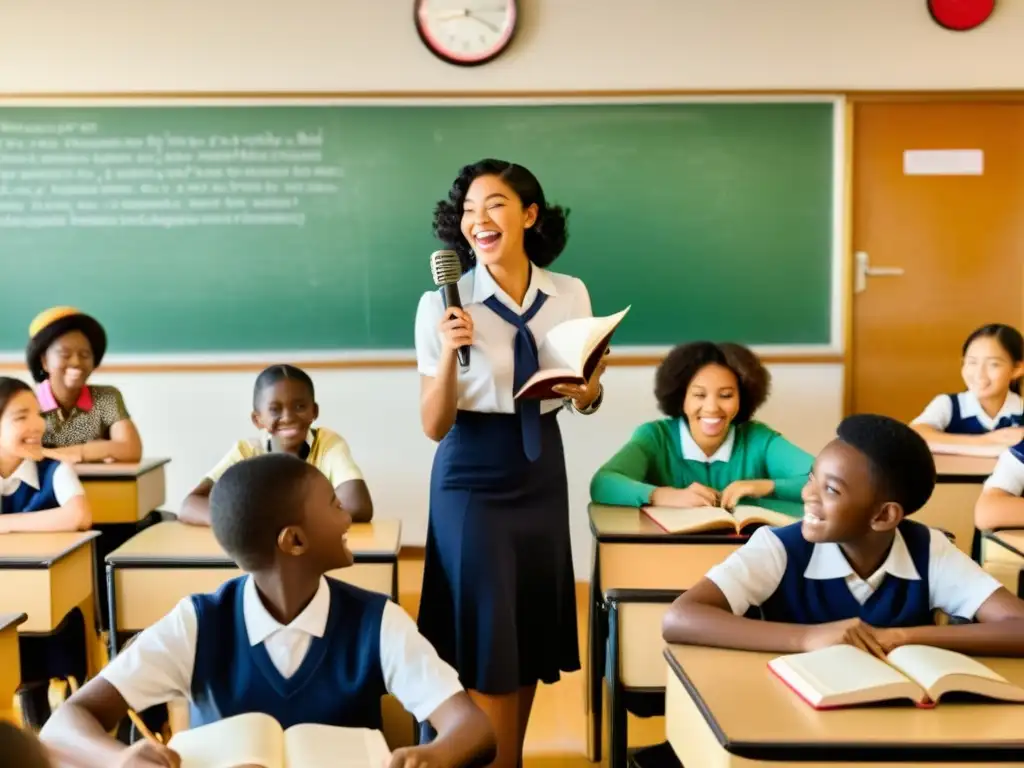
(467, 13)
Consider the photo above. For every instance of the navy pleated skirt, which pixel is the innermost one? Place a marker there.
(499, 598)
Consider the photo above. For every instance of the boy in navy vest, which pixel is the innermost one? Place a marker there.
(856, 570)
(282, 640)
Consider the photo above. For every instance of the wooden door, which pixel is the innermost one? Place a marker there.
(959, 240)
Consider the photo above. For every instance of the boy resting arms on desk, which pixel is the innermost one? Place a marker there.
(856, 570)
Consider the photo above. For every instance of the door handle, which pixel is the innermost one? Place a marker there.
(863, 270)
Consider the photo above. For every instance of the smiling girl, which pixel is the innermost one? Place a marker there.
(991, 410)
(499, 599)
(83, 423)
(708, 452)
(38, 494)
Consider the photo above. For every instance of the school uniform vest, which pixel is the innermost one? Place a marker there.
(27, 498)
(896, 603)
(339, 682)
(970, 425)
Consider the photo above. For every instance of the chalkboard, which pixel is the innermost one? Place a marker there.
(284, 227)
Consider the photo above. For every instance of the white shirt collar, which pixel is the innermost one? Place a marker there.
(480, 286)
(27, 472)
(829, 562)
(969, 406)
(267, 440)
(693, 452)
(260, 625)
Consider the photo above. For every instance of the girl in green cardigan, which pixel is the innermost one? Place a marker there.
(707, 452)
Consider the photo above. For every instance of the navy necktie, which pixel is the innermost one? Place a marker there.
(527, 363)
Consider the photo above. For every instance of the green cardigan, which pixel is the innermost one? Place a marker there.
(653, 458)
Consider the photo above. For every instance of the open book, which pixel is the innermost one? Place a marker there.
(984, 450)
(845, 676)
(701, 519)
(256, 740)
(578, 345)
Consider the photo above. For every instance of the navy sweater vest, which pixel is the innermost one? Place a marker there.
(340, 681)
(27, 498)
(959, 425)
(896, 603)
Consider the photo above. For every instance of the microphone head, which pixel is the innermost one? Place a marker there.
(445, 267)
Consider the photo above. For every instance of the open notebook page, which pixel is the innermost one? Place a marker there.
(837, 670)
(321, 746)
(571, 342)
(247, 740)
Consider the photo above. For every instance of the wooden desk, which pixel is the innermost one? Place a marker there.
(724, 708)
(151, 572)
(123, 493)
(1003, 557)
(951, 507)
(632, 553)
(10, 664)
(45, 576)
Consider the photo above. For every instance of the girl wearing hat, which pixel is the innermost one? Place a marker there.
(83, 423)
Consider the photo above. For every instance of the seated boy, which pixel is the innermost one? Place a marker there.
(1000, 504)
(282, 639)
(856, 570)
(283, 409)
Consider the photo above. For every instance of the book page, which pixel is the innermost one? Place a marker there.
(841, 675)
(572, 341)
(675, 520)
(747, 513)
(929, 666)
(325, 746)
(253, 739)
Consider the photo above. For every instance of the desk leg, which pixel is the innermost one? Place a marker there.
(93, 653)
(111, 612)
(394, 580)
(595, 661)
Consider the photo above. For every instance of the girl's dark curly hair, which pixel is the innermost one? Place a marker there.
(681, 364)
(543, 242)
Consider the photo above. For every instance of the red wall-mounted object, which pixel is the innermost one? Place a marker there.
(960, 15)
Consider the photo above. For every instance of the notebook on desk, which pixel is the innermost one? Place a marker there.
(845, 676)
(256, 740)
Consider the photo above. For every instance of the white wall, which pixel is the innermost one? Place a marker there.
(194, 418)
(67, 46)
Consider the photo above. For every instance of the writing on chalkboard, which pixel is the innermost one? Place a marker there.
(55, 176)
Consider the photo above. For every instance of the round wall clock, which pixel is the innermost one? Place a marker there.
(466, 32)
(960, 15)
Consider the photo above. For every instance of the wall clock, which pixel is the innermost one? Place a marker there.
(466, 33)
(960, 15)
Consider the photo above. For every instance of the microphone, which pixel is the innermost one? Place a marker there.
(446, 269)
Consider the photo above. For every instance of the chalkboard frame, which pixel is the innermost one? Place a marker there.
(835, 351)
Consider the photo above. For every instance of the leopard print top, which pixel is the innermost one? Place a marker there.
(80, 426)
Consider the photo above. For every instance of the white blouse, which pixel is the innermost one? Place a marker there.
(487, 384)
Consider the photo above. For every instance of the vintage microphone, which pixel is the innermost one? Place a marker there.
(446, 269)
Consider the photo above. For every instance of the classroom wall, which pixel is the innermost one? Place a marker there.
(125, 46)
(370, 45)
(195, 417)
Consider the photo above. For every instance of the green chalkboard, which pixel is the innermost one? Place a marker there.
(284, 227)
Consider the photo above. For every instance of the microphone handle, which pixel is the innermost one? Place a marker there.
(450, 293)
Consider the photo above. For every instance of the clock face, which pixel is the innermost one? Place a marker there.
(466, 32)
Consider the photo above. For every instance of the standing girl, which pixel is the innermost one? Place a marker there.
(991, 410)
(498, 597)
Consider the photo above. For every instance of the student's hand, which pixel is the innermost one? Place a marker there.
(71, 454)
(696, 495)
(146, 754)
(891, 638)
(1007, 436)
(414, 757)
(847, 632)
(584, 395)
(750, 489)
(456, 329)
